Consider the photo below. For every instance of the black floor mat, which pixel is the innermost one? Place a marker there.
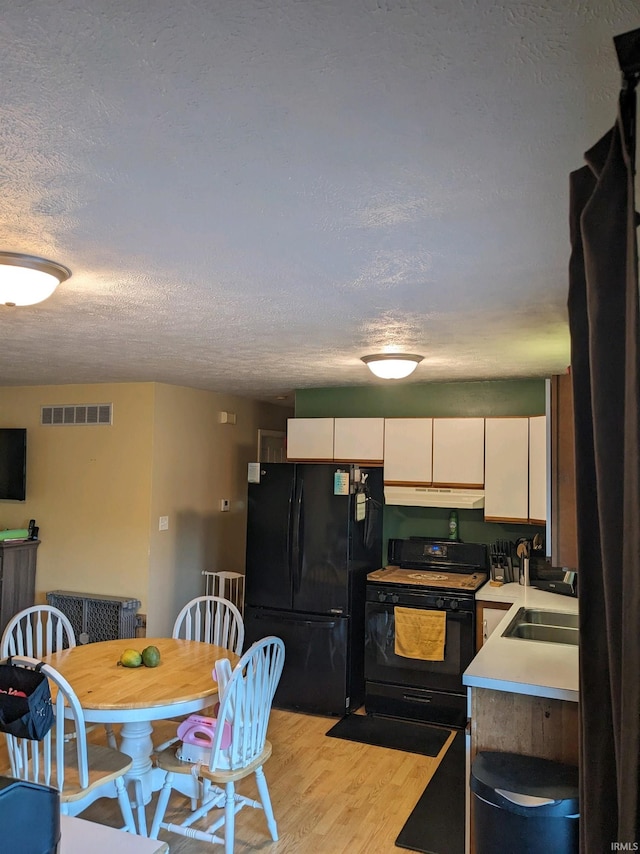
(436, 825)
(397, 734)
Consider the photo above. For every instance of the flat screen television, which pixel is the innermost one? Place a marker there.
(13, 463)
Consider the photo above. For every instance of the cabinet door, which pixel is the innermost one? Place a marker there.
(538, 469)
(564, 525)
(408, 451)
(458, 452)
(506, 470)
(488, 615)
(17, 578)
(358, 440)
(310, 439)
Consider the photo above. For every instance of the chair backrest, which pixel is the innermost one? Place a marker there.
(211, 619)
(43, 761)
(36, 632)
(246, 704)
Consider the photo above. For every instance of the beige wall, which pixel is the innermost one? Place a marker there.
(88, 488)
(97, 492)
(197, 461)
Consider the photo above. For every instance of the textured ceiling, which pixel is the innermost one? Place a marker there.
(252, 194)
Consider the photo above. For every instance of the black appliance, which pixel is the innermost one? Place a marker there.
(314, 531)
(554, 579)
(431, 575)
(13, 463)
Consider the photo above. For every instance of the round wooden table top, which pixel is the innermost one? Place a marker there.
(183, 675)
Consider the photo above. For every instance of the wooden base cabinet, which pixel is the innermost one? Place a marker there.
(523, 723)
(17, 578)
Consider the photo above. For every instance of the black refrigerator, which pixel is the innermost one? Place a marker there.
(314, 531)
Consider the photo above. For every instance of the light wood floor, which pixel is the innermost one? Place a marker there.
(330, 796)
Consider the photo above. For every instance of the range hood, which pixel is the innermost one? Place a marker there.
(434, 496)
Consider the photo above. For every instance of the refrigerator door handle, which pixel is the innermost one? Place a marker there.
(290, 528)
(296, 555)
(320, 624)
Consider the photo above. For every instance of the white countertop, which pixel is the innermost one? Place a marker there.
(522, 666)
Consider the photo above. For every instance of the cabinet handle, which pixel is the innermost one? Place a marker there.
(484, 629)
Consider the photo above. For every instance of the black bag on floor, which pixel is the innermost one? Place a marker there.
(25, 701)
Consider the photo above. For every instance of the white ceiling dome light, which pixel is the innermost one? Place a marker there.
(392, 366)
(27, 280)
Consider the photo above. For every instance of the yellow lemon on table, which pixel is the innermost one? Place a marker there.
(130, 658)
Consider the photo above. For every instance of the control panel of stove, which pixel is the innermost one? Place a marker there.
(442, 603)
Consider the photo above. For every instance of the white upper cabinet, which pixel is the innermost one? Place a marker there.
(408, 450)
(358, 440)
(458, 452)
(538, 469)
(506, 470)
(310, 438)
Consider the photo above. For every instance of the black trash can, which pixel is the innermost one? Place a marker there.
(524, 805)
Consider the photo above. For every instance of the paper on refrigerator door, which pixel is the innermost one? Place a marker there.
(341, 483)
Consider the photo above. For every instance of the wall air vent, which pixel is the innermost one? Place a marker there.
(68, 413)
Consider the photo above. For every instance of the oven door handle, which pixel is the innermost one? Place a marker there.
(415, 698)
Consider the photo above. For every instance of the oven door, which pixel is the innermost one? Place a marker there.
(383, 665)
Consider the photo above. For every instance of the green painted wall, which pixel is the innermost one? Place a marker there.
(438, 400)
(434, 522)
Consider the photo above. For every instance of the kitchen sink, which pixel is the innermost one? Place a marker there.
(547, 626)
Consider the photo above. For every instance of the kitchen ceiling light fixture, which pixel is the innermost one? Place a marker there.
(27, 280)
(392, 366)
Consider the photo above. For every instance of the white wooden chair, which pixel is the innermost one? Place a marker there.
(211, 619)
(38, 631)
(81, 772)
(246, 704)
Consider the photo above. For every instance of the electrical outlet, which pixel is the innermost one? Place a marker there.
(224, 505)
(163, 524)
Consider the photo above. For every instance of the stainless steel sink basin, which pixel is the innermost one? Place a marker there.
(547, 618)
(547, 626)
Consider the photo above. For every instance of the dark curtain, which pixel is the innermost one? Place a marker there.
(603, 321)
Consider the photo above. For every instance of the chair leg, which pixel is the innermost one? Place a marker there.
(229, 817)
(142, 816)
(111, 736)
(161, 806)
(125, 805)
(263, 790)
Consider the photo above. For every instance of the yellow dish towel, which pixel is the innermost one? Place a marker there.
(420, 634)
